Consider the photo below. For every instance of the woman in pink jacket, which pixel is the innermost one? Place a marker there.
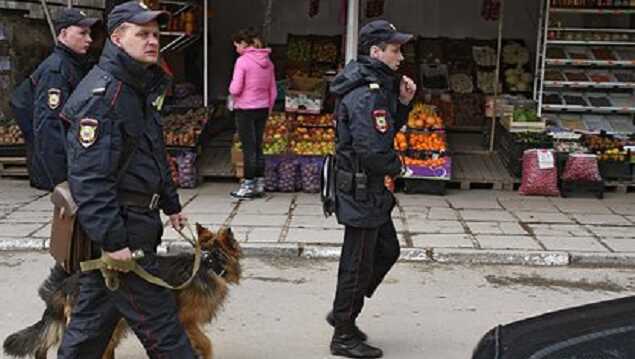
(253, 89)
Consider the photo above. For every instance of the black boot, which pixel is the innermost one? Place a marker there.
(350, 346)
(330, 318)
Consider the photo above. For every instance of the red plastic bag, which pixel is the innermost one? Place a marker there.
(540, 174)
(582, 168)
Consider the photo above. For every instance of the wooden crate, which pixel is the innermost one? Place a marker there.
(13, 167)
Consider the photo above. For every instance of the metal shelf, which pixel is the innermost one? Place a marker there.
(589, 84)
(588, 109)
(545, 31)
(598, 63)
(592, 29)
(593, 11)
(591, 43)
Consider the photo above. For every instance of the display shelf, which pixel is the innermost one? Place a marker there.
(590, 43)
(598, 63)
(592, 53)
(589, 84)
(591, 109)
(608, 11)
(592, 29)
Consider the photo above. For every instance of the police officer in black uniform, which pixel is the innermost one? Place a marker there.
(373, 103)
(119, 177)
(53, 82)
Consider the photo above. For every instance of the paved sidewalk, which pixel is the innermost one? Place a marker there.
(481, 227)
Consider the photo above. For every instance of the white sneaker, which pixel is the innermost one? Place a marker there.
(246, 190)
(260, 186)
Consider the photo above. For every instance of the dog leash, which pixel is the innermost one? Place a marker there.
(110, 267)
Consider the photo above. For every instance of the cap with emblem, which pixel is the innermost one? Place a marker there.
(73, 17)
(379, 31)
(135, 12)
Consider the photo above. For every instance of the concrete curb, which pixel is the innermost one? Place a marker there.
(409, 254)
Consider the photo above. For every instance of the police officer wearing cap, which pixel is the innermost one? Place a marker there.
(373, 103)
(119, 177)
(53, 82)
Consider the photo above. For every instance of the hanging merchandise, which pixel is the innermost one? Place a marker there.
(314, 8)
(374, 8)
(491, 10)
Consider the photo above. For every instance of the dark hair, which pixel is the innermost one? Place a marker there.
(250, 36)
(364, 49)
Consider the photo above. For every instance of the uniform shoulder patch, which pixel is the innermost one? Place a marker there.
(380, 122)
(88, 131)
(54, 98)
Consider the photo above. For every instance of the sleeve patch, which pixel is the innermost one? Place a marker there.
(88, 131)
(379, 119)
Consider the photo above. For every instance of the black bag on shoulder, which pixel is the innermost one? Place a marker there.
(327, 186)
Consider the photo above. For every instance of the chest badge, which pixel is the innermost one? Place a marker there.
(380, 121)
(54, 98)
(88, 129)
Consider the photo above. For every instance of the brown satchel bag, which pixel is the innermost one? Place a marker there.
(69, 244)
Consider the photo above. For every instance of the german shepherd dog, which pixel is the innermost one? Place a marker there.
(198, 303)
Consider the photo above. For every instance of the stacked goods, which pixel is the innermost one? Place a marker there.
(540, 174)
(325, 120)
(276, 137)
(424, 117)
(10, 135)
(307, 141)
(422, 144)
(182, 166)
(614, 159)
(310, 171)
(184, 129)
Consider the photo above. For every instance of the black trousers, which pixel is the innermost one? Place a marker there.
(150, 310)
(367, 256)
(251, 127)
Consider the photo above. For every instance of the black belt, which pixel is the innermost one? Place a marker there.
(148, 201)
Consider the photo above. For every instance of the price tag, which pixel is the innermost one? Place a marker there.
(545, 159)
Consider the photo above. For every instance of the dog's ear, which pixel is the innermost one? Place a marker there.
(200, 229)
(226, 235)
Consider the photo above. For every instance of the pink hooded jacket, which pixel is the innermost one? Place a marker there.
(253, 85)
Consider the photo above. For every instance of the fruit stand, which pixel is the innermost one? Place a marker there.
(422, 145)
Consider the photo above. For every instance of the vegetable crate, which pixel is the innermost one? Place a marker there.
(571, 188)
(616, 170)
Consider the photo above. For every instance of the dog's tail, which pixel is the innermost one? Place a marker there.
(29, 340)
(55, 281)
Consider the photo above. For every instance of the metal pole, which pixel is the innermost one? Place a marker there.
(538, 50)
(501, 21)
(352, 30)
(266, 27)
(49, 20)
(544, 57)
(70, 4)
(205, 53)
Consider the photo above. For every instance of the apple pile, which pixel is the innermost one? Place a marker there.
(313, 141)
(276, 137)
(325, 120)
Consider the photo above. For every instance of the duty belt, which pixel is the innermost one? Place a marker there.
(140, 200)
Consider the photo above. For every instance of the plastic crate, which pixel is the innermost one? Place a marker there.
(616, 170)
(573, 188)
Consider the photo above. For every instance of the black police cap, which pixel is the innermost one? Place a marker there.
(379, 31)
(135, 12)
(73, 17)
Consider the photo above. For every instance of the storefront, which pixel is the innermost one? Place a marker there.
(465, 56)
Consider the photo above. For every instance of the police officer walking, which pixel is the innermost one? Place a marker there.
(373, 103)
(119, 177)
(54, 80)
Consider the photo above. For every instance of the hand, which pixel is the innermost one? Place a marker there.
(123, 255)
(407, 90)
(177, 221)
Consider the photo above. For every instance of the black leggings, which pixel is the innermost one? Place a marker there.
(251, 127)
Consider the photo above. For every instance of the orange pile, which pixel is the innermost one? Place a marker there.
(427, 142)
(423, 116)
(433, 162)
